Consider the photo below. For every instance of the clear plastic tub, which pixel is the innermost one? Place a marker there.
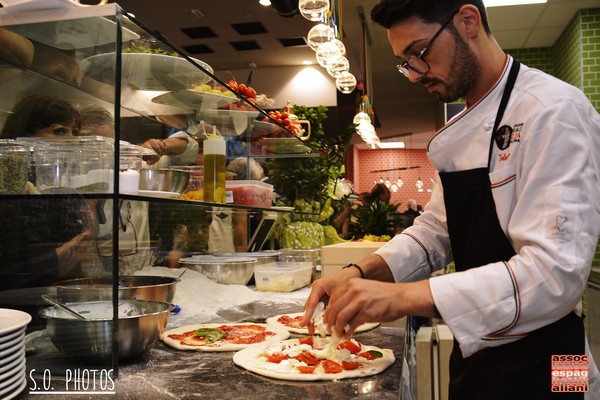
(249, 193)
(282, 276)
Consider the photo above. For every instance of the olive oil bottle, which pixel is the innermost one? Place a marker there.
(214, 169)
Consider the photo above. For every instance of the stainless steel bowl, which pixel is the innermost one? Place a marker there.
(164, 180)
(226, 270)
(140, 324)
(262, 257)
(131, 287)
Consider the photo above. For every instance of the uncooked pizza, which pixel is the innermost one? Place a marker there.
(291, 322)
(221, 337)
(314, 358)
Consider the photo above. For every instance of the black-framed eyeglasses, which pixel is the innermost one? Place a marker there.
(416, 61)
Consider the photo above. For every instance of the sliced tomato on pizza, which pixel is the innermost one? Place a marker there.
(221, 337)
(297, 359)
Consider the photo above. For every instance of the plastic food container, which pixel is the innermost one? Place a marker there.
(249, 193)
(282, 276)
(83, 163)
(14, 166)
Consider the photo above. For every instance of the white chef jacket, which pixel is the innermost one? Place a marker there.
(546, 187)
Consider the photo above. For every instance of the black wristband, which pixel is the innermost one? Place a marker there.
(362, 273)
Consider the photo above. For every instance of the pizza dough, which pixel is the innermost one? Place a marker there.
(240, 335)
(295, 328)
(255, 359)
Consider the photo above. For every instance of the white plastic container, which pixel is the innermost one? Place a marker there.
(282, 276)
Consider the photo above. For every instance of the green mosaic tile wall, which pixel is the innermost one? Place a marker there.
(539, 57)
(590, 43)
(575, 57)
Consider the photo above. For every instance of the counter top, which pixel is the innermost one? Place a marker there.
(166, 373)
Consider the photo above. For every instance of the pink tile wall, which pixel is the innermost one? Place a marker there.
(360, 163)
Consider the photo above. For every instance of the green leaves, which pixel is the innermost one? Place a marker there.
(210, 335)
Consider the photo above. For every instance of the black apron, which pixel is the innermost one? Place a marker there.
(521, 369)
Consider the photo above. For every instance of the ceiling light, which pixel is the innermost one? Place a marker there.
(392, 145)
(264, 2)
(319, 34)
(328, 54)
(313, 10)
(345, 83)
(500, 3)
(335, 69)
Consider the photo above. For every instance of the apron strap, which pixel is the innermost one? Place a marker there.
(510, 83)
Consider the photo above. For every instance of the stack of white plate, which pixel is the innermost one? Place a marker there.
(12, 352)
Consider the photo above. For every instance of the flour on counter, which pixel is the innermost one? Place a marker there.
(203, 301)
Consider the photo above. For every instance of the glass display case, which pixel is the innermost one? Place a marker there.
(99, 74)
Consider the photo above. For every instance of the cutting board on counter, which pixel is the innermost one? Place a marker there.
(335, 256)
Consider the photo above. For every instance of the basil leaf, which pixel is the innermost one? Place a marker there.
(210, 335)
(375, 353)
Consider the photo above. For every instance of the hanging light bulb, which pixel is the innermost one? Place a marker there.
(399, 182)
(419, 185)
(388, 183)
(313, 10)
(339, 44)
(336, 68)
(381, 179)
(345, 83)
(327, 54)
(365, 129)
(319, 34)
(394, 187)
(361, 117)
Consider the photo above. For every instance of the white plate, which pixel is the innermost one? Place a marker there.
(11, 351)
(11, 358)
(12, 362)
(16, 377)
(265, 127)
(147, 71)
(18, 368)
(159, 194)
(12, 320)
(284, 145)
(194, 99)
(11, 336)
(11, 344)
(13, 390)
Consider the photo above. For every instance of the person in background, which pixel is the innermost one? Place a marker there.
(410, 214)
(134, 234)
(380, 192)
(246, 168)
(516, 207)
(46, 239)
(43, 117)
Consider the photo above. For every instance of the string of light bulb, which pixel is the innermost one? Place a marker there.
(324, 39)
(362, 120)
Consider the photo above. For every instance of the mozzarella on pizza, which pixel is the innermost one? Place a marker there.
(311, 359)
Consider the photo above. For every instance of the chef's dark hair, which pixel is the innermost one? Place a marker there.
(389, 12)
(36, 112)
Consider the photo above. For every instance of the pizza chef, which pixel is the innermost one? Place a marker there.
(516, 207)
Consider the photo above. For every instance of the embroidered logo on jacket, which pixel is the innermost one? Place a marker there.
(502, 137)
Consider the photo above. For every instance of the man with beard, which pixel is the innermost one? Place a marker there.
(516, 207)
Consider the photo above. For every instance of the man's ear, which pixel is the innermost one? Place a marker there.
(469, 21)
